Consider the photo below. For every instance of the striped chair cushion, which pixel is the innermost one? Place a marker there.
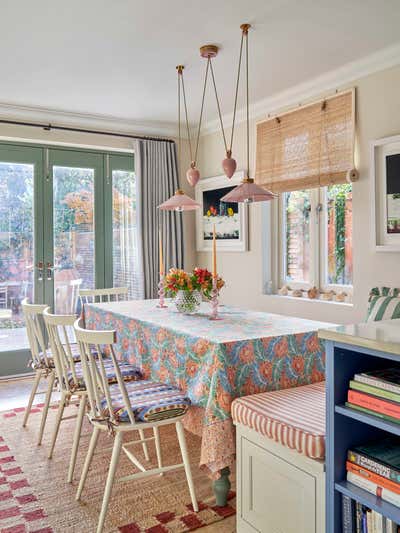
(128, 372)
(75, 354)
(384, 304)
(150, 402)
(293, 417)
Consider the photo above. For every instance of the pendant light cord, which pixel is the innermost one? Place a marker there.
(218, 107)
(201, 111)
(236, 93)
(186, 117)
(247, 105)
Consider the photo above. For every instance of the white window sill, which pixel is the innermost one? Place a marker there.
(310, 300)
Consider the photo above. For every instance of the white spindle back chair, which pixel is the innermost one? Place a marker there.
(99, 392)
(42, 362)
(61, 335)
(74, 284)
(110, 294)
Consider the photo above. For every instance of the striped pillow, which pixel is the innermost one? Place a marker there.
(384, 307)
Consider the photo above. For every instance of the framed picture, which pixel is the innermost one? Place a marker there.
(230, 219)
(385, 166)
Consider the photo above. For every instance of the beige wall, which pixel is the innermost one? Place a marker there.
(29, 134)
(378, 115)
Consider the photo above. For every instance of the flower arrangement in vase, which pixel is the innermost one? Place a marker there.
(188, 288)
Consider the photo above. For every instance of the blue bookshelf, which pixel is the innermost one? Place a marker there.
(348, 427)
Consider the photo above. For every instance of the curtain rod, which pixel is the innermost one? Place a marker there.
(49, 127)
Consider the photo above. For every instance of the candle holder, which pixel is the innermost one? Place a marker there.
(161, 293)
(214, 299)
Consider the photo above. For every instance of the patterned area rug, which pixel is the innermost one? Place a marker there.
(35, 497)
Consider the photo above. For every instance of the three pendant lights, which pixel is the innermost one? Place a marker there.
(247, 191)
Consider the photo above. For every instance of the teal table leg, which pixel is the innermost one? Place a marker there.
(222, 487)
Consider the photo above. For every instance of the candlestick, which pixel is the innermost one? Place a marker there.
(214, 253)
(214, 299)
(161, 293)
(161, 253)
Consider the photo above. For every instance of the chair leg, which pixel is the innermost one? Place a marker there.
(88, 461)
(32, 397)
(50, 385)
(144, 445)
(60, 412)
(77, 436)
(182, 443)
(110, 480)
(158, 447)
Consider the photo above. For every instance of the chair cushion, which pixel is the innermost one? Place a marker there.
(384, 304)
(128, 372)
(150, 402)
(75, 354)
(293, 417)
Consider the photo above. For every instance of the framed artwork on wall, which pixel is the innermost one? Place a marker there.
(230, 219)
(385, 174)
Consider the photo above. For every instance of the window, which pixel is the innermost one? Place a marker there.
(315, 234)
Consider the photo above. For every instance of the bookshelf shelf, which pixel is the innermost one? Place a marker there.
(347, 428)
(371, 501)
(374, 421)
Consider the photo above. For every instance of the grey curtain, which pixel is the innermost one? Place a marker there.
(156, 170)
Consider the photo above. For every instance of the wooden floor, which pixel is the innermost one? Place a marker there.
(14, 393)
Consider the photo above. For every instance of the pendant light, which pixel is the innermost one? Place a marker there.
(247, 191)
(180, 201)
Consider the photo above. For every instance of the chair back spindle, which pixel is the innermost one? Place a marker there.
(111, 294)
(34, 328)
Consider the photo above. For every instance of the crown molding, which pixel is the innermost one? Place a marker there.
(325, 83)
(110, 123)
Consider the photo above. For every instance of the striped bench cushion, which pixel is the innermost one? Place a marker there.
(384, 304)
(293, 417)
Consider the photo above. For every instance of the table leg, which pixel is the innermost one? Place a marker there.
(221, 487)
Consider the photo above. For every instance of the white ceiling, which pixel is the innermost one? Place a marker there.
(117, 57)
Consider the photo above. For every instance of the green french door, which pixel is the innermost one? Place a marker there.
(67, 221)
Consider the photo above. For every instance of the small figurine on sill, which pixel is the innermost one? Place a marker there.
(341, 297)
(298, 293)
(313, 293)
(328, 296)
(284, 291)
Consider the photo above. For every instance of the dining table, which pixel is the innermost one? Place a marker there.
(213, 361)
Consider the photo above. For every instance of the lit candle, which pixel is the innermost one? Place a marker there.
(161, 254)
(214, 254)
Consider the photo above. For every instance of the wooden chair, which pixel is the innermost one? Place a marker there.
(41, 360)
(125, 407)
(71, 380)
(103, 295)
(74, 285)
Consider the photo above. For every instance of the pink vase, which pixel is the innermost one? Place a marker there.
(229, 165)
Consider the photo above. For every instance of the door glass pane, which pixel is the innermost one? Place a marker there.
(73, 212)
(339, 231)
(297, 208)
(126, 272)
(16, 251)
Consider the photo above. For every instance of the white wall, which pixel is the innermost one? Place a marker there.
(30, 134)
(378, 115)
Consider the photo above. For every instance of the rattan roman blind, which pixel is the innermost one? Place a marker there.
(309, 147)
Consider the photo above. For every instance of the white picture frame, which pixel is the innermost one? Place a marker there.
(383, 151)
(207, 192)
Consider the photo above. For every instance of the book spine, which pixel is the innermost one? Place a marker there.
(375, 382)
(373, 488)
(358, 517)
(374, 466)
(373, 403)
(348, 513)
(370, 524)
(371, 476)
(373, 413)
(378, 522)
(369, 389)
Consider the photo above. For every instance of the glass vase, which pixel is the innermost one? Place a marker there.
(188, 302)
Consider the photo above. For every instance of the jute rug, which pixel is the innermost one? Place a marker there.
(35, 497)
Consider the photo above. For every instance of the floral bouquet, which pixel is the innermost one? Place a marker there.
(188, 287)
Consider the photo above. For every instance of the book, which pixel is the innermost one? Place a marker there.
(377, 521)
(381, 457)
(370, 524)
(359, 518)
(348, 515)
(373, 413)
(375, 391)
(373, 488)
(386, 378)
(386, 407)
(375, 478)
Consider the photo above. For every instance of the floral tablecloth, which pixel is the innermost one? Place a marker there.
(214, 362)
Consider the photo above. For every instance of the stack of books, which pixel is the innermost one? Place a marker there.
(357, 518)
(374, 467)
(377, 393)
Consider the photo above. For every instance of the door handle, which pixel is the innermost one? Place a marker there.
(39, 268)
(49, 271)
